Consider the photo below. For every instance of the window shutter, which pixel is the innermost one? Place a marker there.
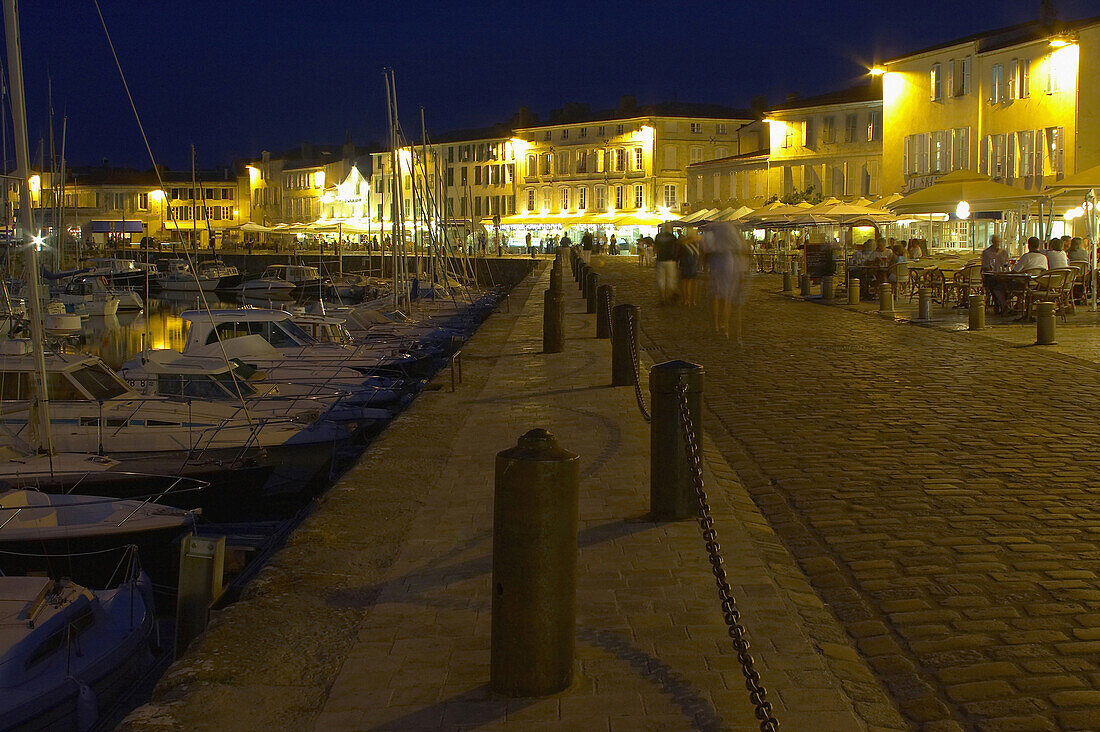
(1040, 143)
(950, 78)
(932, 83)
(1013, 78)
(1010, 156)
(1058, 164)
(1025, 78)
(905, 155)
(966, 147)
(983, 164)
(966, 75)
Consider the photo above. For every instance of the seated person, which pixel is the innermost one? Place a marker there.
(1077, 251)
(897, 256)
(1033, 258)
(863, 255)
(1056, 258)
(880, 256)
(914, 251)
(995, 259)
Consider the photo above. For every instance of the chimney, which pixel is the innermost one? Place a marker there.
(1048, 14)
(524, 118)
(759, 105)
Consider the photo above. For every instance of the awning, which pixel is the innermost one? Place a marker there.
(637, 218)
(117, 227)
(981, 192)
(1084, 181)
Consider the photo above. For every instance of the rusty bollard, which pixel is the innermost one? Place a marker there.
(534, 567)
(605, 299)
(671, 492)
(624, 333)
(590, 286)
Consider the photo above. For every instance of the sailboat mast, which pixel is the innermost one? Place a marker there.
(22, 164)
(61, 197)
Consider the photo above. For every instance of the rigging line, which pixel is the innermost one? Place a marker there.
(171, 217)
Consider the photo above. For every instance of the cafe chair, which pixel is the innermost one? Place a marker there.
(1048, 286)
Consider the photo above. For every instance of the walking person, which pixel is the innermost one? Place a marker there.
(665, 248)
(687, 262)
(729, 264)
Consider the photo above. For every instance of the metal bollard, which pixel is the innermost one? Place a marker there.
(553, 321)
(534, 567)
(624, 331)
(977, 312)
(804, 285)
(556, 278)
(590, 286)
(787, 286)
(1044, 323)
(853, 291)
(924, 300)
(885, 298)
(827, 288)
(605, 298)
(582, 281)
(202, 566)
(671, 492)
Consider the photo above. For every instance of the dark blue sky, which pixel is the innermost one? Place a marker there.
(235, 78)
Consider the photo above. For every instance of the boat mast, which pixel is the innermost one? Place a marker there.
(61, 198)
(395, 190)
(22, 165)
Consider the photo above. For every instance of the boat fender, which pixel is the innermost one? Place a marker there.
(87, 710)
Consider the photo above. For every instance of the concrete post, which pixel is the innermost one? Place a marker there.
(787, 286)
(827, 288)
(624, 331)
(590, 285)
(885, 298)
(671, 492)
(534, 567)
(582, 280)
(804, 285)
(553, 321)
(605, 299)
(556, 278)
(924, 298)
(1044, 323)
(853, 291)
(573, 262)
(202, 566)
(977, 312)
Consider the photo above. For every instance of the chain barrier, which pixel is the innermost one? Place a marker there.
(757, 692)
(634, 359)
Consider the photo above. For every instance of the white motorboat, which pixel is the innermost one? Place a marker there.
(119, 272)
(283, 278)
(59, 321)
(175, 275)
(68, 653)
(92, 292)
(228, 275)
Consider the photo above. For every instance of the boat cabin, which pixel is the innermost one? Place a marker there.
(274, 326)
(82, 378)
(293, 273)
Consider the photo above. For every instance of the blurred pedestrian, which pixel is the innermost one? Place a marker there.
(729, 263)
(687, 261)
(664, 247)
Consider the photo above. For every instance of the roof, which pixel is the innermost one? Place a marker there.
(498, 131)
(852, 95)
(105, 176)
(664, 109)
(992, 40)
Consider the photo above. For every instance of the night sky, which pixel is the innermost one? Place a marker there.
(239, 77)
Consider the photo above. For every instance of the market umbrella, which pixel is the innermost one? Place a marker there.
(251, 226)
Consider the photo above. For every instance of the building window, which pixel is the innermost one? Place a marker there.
(851, 123)
(582, 198)
(545, 199)
(547, 135)
(639, 197)
(530, 199)
(936, 79)
(620, 159)
(807, 133)
(671, 157)
(143, 202)
(639, 159)
(720, 128)
(601, 198)
(670, 196)
(960, 77)
(582, 161)
(545, 164)
(1051, 75)
(583, 132)
(695, 155)
(696, 128)
(532, 165)
(1023, 78)
(618, 197)
(874, 126)
(599, 131)
(788, 134)
(939, 152)
(1056, 148)
(564, 200)
(997, 84)
(1026, 142)
(477, 176)
(565, 134)
(828, 130)
(960, 148)
(619, 129)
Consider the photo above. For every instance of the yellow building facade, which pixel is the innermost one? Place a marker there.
(1016, 104)
(292, 187)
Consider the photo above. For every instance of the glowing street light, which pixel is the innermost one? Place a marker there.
(962, 211)
(876, 71)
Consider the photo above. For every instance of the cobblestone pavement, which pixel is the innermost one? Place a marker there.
(651, 647)
(937, 487)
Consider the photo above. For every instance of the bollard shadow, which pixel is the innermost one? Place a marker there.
(468, 710)
(440, 572)
(535, 394)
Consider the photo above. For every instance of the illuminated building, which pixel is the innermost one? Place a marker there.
(619, 171)
(290, 187)
(1008, 103)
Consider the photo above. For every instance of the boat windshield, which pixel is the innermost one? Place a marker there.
(202, 386)
(99, 381)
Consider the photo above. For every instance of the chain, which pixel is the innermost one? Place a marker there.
(631, 336)
(757, 692)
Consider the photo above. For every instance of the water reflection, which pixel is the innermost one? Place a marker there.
(118, 338)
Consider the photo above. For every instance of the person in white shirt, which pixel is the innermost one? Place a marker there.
(1032, 258)
(1056, 258)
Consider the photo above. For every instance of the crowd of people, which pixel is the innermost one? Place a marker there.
(718, 253)
(1059, 253)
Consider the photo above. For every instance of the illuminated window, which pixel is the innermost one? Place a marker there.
(582, 198)
(997, 84)
(639, 160)
(720, 128)
(619, 160)
(939, 152)
(828, 130)
(619, 129)
(601, 198)
(639, 197)
(1051, 75)
(547, 135)
(532, 165)
(545, 164)
(936, 82)
(670, 196)
(696, 155)
(851, 124)
(1023, 79)
(1056, 148)
(618, 197)
(530, 199)
(564, 200)
(143, 202)
(565, 134)
(583, 132)
(960, 76)
(1026, 142)
(960, 148)
(696, 128)
(546, 199)
(874, 126)
(788, 134)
